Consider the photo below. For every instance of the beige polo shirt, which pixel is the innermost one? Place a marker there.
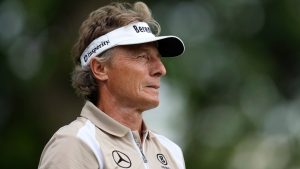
(96, 141)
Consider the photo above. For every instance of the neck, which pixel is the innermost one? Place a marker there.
(128, 116)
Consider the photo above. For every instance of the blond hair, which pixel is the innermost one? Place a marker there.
(100, 22)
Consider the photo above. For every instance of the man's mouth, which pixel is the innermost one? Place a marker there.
(154, 86)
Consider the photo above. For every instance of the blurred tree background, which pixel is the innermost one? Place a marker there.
(240, 78)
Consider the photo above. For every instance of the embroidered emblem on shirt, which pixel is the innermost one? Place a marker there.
(121, 159)
(161, 158)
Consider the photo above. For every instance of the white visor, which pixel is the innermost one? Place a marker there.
(134, 33)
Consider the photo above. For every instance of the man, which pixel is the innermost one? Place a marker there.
(117, 70)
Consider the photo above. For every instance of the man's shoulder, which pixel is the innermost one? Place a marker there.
(66, 137)
(174, 150)
(166, 142)
(67, 150)
(72, 128)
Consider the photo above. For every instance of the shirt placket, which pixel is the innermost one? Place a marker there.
(139, 146)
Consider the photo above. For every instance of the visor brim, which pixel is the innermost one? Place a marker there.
(168, 46)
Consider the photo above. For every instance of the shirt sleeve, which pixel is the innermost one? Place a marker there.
(67, 152)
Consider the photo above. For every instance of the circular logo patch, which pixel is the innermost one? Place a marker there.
(161, 158)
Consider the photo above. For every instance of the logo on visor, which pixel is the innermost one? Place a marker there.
(89, 54)
(121, 159)
(139, 29)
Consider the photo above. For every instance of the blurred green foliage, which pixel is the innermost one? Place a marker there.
(240, 75)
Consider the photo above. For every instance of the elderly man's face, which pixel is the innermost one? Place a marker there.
(134, 75)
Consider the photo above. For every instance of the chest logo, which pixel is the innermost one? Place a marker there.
(121, 159)
(161, 158)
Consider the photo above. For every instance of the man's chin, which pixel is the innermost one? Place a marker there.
(151, 104)
(154, 105)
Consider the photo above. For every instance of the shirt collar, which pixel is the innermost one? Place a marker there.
(106, 123)
(103, 121)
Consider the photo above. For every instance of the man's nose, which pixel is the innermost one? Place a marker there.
(158, 68)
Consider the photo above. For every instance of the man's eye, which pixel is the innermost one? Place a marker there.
(144, 57)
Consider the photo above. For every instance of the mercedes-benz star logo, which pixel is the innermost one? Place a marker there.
(161, 158)
(121, 159)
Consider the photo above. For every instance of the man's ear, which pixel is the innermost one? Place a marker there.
(99, 69)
